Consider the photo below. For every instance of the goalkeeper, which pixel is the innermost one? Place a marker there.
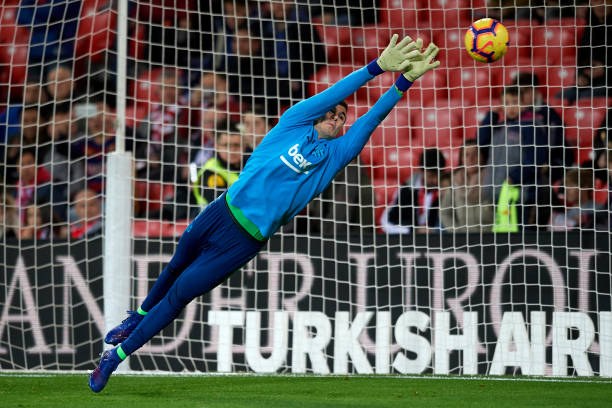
(294, 163)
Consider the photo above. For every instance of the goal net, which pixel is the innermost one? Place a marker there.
(470, 236)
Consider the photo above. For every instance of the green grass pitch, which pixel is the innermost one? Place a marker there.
(234, 391)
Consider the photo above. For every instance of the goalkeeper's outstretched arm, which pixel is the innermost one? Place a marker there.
(396, 57)
(351, 144)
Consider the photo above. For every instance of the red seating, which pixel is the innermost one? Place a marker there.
(378, 86)
(333, 36)
(13, 63)
(96, 32)
(146, 88)
(357, 46)
(394, 130)
(554, 43)
(392, 163)
(447, 13)
(583, 154)
(137, 41)
(519, 37)
(436, 126)
(163, 11)
(135, 114)
(452, 47)
(10, 31)
(557, 78)
(601, 193)
(475, 86)
(399, 14)
(429, 89)
(366, 44)
(326, 77)
(582, 121)
(471, 119)
(149, 196)
(151, 228)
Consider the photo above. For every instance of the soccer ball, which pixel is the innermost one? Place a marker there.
(486, 40)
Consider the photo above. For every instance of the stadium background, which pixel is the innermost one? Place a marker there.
(58, 75)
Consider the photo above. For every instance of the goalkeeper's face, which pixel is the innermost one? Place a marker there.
(329, 125)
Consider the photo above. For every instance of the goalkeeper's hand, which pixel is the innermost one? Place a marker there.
(396, 57)
(420, 64)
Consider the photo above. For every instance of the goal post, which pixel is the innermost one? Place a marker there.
(470, 236)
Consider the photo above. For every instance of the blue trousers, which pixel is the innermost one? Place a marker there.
(211, 248)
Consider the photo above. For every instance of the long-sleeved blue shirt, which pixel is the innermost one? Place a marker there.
(292, 165)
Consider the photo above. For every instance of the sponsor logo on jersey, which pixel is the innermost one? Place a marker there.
(296, 161)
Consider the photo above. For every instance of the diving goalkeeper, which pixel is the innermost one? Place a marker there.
(293, 164)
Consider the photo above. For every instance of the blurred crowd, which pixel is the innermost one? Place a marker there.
(208, 80)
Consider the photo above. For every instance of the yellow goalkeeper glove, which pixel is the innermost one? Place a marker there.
(397, 57)
(419, 65)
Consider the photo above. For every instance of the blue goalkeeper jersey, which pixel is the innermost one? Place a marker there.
(292, 165)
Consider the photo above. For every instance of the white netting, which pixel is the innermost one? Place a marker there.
(378, 274)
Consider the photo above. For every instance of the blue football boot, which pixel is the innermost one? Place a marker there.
(121, 332)
(99, 377)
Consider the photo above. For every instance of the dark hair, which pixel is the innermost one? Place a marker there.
(526, 79)
(227, 126)
(432, 159)
(260, 110)
(252, 29)
(510, 90)
(28, 150)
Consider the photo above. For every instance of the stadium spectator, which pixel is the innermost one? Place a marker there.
(515, 152)
(549, 10)
(249, 74)
(255, 125)
(62, 162)
(162, 140)
(91, 147)
(347, 205)
(219, 172)
(87, 210)
(210, 102)
(25, 134)
(509, 9)
(602, 143)
(213, 177)
(53, 28)
(416, 205)
(579, 210)
(535, 110)
(235, 13)
(292, 42)
(10, 117)
(32, 127)
(463, 207)
(37, 223)
(605, 219)
(9, 218)
(594, 60)
(29, 131)
(59, 88)
(33, 183)
(167, 26)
